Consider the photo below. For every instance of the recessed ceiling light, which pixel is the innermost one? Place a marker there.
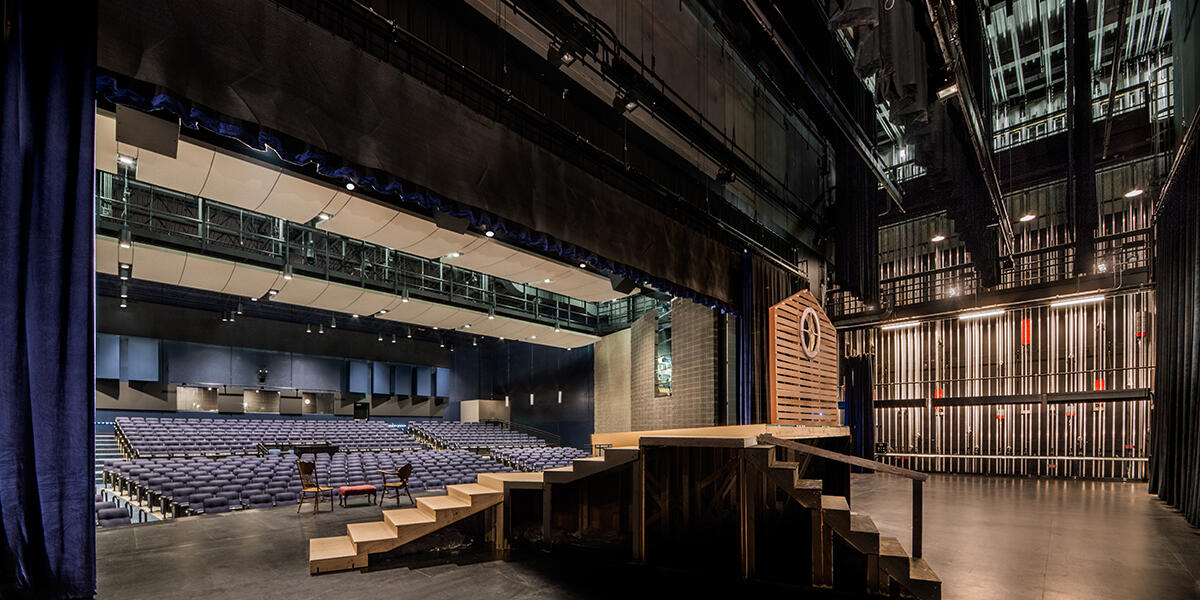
(533, 337)
(582, 265)
(546, 280)
(354, 315)
(383, 311)
(323, 216)
(467, 326)
(937, 238)
(1134, 193)
(1028, 217)
(272, 292)
(490, 233)
(350, 186)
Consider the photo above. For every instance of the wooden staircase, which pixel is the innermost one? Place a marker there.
(401, 526)
(884, 553)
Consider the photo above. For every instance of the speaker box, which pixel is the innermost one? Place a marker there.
(450, 223)
(620, 284)
(147, 131)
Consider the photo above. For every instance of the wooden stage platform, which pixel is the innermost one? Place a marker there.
(770, 502)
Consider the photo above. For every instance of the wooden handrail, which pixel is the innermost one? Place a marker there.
(767, 438)
(917, 478)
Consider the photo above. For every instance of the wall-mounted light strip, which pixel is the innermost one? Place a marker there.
(1077, 301)
(981, 314)
(899, 325)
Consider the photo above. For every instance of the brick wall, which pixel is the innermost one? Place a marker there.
(692, 402)
(612, 382)
(642, 404)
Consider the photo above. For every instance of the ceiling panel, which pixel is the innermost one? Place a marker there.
(296, 199)
(406, 312)
(185, 173)
(338, 297)
(158, 264)
(234, 180)
(436, 313)
(206, 273)
(250, 281)
(106, 255)
(300, 290)
(402, 231)
(519, 264)
(482, 256)
(106, 143)
(371, 302)
(439, 243)
(359, 218)
(460, 317)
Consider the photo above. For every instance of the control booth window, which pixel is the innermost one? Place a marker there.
(662, 355)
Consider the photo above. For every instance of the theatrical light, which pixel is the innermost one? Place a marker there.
(321, 328)
(1028, 217)
(124, 304)
(308, 329)
(467, 326)
(435, 327)
(224, 317)
(556, 328)
(937, 238)
(502, 338)
(308, 400)
(1077, 301)
(491, 314)
(474, 341)
(254, 299)
(900, 325)
(1134, 193)
(626, 101)
(350, 186)
(441, 344)
(333, 322)
(239, 308)
(409, 335)
(452, 348)
(323, 217)
(452, 255)
(287, 272)
(404, 297)
(126, 238)
(490, 233)
(981, 314)
(125, 271)
(125, 160)
(124, 290)
(231, 316)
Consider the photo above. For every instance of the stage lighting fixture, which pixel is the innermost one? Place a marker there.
(323, 217)
(124, 290)
(124, 304)
(125, 271)
(321, 328)
(333, 322)
(490, 233)
(308, 329)
(350, 186)
(625, 101)
(126, 238)
(287, 272)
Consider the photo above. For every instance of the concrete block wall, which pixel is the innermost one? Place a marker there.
(643, 414)
(694, 364)
(612, 382)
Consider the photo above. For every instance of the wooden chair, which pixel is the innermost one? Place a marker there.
(402, 474)
(310, 488)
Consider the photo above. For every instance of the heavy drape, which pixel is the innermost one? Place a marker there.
(46, 299)
(857, 379)
(1175, 416)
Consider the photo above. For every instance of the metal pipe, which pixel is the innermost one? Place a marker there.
(1118, 56)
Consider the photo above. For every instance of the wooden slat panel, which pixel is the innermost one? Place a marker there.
(803, 390)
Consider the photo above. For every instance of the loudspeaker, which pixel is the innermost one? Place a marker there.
(450, 223)
(362, 411)
(147, 131)
(620, 284)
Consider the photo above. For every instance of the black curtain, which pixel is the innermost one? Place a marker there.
(46, 297)
(1175, 416)
(857, 381)
(769, 285)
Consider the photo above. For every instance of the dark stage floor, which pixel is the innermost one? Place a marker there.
(987, 538)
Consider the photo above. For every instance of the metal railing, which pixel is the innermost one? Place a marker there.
(918, 479)
(159, 215)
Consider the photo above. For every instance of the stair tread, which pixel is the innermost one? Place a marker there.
(919, 570)
(442, 502)
(809, 484)
(407, 516)
(473, 489)
(331, 547)
(370, 532)
(890, 546)
(834, 503)
(595, 459)
(862, 524)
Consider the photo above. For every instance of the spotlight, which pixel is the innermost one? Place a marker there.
(490, 233)
(453, 255)
(254, 299)
(560, 396)
(937, 238)
(125, 271)
(1028, 217)
(239, 308)
(533, 337)
(452, 348)
(404, 298)
(531, 398)
(287, 272)
(506, 400)
(323, 217)
(435, 327)
(224, 317)
(126, 238)
(124, 290)
(409, 335)
(491, 314)
(556, 329)
(308, 329)
(467, 326)
(560, 55)
(1134, 193)
(321, 328)
(333, 322)
(626, 101)
(474, 341)
(350, 186)
(582, 265)
(441, 344)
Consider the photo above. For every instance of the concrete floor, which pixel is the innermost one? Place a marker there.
(995, 537)
(986, 538)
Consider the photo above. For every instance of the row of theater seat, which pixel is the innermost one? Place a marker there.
(149, 437)
(109, 514)
(453, 434)
(537, 459)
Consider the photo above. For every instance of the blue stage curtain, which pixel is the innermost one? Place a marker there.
(858, 378)
(46, 299)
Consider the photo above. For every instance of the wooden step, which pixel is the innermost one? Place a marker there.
(914, 574)
(503, 481)
(402, 517)
(474, 493)
(375, 536)
(444, 508)
(836, 512)
(863, 535)
(333, 554)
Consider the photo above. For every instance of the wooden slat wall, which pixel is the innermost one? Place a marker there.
(803, 390)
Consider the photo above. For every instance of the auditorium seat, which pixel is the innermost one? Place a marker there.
(259, 501)
(216, 504)
(109, 517)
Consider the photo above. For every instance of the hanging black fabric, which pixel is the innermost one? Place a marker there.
(1175, 416)
(46, 297)
(858, 381)
(769, 285)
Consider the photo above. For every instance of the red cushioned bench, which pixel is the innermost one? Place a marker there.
(346, 491)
